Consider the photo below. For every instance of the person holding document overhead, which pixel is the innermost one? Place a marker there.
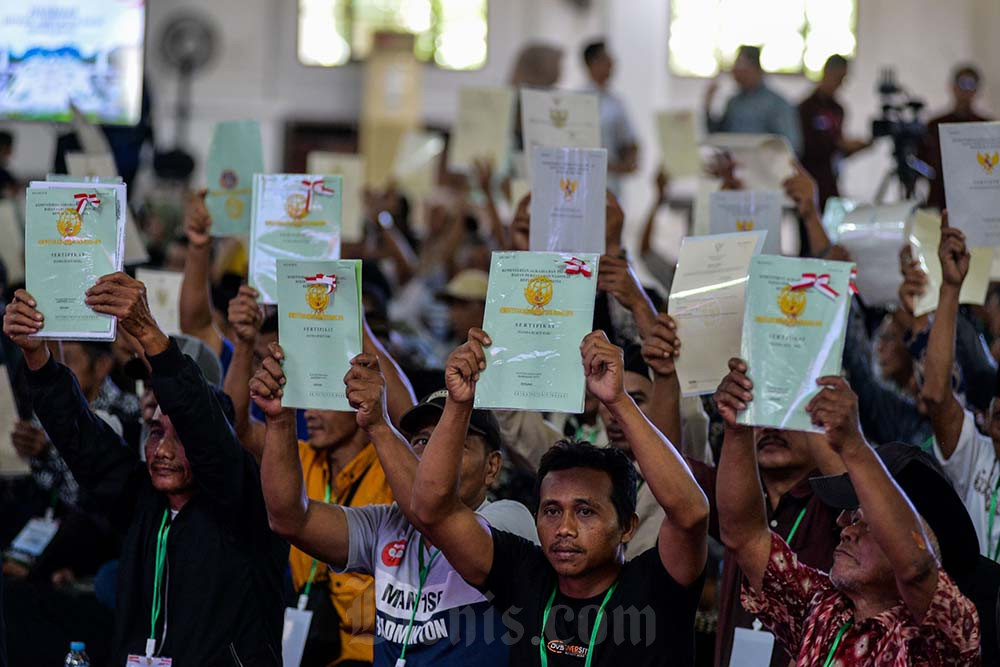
(586, 516)
(197, 552)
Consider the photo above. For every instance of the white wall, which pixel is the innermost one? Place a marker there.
(257, 73)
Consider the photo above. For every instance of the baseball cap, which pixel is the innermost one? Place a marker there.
(429, 410)
(467, 285)
(202, 355)
(923, 481)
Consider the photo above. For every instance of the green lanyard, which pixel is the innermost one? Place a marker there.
(989, 528)
(795, 526)
(159, 567)
(422, 578)
(304, 598)
(593, 633)
(836, 643)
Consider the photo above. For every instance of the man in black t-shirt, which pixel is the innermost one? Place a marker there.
(575, 590)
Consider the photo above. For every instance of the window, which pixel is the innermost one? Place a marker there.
(449, 33)
(795, 36)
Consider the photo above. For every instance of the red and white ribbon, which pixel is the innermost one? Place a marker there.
(820, 282)
(854, 281)
(82, 199)
(316, 186)
(577, 266)
(321, 279)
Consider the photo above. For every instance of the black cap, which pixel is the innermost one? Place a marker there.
(634, 362)
(921, 478)
(429, 410)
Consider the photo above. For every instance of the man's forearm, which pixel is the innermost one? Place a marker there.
(739, 493)
(941, 348)
(666, 412)
(398, 461)
(281, 476)
(399, 396)
(662, 467)
(195, 298)
(893, 521)
(237, 387)
(816, 236)
(435, 488)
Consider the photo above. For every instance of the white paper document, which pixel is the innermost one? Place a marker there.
(568, 199)
(925, 237)
(763, 161)
(555, 119)
(482, 128)
(706, 303)
(163, 292)
(11, 462)
(732, 211)
(874, 235)
(678, 143)
(351, 168)
(970, 153)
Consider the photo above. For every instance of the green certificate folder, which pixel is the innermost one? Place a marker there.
(539, 308)
(295, 216)
(74, 234)
(319, 327)
(233, 158)
(793, 333)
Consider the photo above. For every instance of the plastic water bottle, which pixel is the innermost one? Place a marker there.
(77, 656)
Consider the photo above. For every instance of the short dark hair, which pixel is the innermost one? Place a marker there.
(6, 139)
(836, 60)
(96, 350)
(568, 454)
(968, 69)
(592, 51)
(751, 53)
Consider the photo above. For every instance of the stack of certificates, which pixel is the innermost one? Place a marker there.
(74, 234)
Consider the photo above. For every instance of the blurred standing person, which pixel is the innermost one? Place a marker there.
(822, 120)
(537, 66)
(755, 108)
(964, 87)
(617, 134)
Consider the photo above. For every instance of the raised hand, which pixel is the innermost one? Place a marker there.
(661, 347)
(366, 391)
(461, 371)
(835, 410)
(483, 169)
(604, 367)
(124, 297)
(734, 393)
(801, 188)
(266, 384)
(953, 254)
(197, 221)
(20, 320)
(29, 440)
(245, 314)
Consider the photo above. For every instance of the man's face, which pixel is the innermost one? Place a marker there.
(601, 68)
(577, 523)
(780, 450)
(329, 428)
(746, 75)
(893, 356)
(964, 90)
(859, 564)
(640, 388)
(479, 465)
(165, 458)
(464, 315)
(520, 227)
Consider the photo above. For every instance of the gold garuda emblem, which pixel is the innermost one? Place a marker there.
(69, 222)
(234, 207)
(296, 206)
(558, 116)
(318, 291)
(987, 161)
(744, 225)
(791, 301)
(538, 292)
(569, 187)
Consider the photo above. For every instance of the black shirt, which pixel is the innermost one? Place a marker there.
(649, 619)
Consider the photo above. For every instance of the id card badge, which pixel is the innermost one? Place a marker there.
(751, 648)
(294, 635)
(35, 536)
(147, 661)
